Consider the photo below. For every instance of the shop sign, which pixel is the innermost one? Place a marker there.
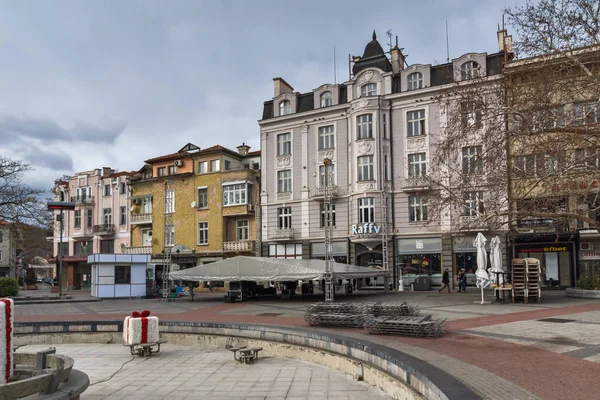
(594, 255)
(576, 185)
(545, 249)
(419, 244)
(365, 229)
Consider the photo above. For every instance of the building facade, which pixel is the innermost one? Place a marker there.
(8, 249)
(379, 129)
(100, 222)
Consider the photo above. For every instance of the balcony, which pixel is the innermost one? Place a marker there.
(319, 191)
(140, 219)
(104, 229)
(240, 209)
(415, 184)
(137, 250)
(282, 233)
(82, 200)
(238, 247)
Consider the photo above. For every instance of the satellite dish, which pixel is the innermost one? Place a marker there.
(150, 233)
(193, 204)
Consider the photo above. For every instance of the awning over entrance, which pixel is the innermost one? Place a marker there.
(243, 268)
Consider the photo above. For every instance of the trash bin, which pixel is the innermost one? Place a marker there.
(422, 283)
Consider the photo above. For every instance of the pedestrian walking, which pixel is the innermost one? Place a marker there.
(462, 281)
(445, 281)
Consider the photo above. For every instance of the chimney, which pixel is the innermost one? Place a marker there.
(243, 149)
(504, 41)
(397, 59)
(281, 86)
(106, 171)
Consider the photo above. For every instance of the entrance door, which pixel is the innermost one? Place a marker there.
(146, 237)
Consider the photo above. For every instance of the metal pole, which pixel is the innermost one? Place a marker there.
(60, 256)
(328, 232)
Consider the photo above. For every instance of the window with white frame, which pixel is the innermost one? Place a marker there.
(122, 188)
(284, 181)
(288, 250)
(586, 113)
(170, 201)
(331, 177)
(384, 122)
(284, 144)
(235, 194)
(366, 210)
(417, 208)
(365, 168)
(203, 197)
(471, 113)
(146, 205)
(215, 165)
(89, 217)
(473, 204)
(469, 70)
(285, 107)
(415, 123)
(284, 217)
(364, 126)
(324, 215)
(386, 166)
(161, 171)
(326, 137)
(368, 90)
(123, 215)
(169, 235)
(107, 214)
(471, 160)
(227, 165)
(588, 157)
(202, 167)
(417, 165)
(415, 81)
(326, 99)
(77, 223)
(242, 229)
(107, 189)
(202, 232)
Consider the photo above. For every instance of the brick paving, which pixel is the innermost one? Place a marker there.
(475, 351)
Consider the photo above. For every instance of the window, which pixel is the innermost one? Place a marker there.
(107, 189)
(289, 250)
(202, 197)
(586, 113)
(162, 171)
(366, 210)
(284, 144)
(235, 194)
(107, 247)
(471, 113)
(0, 255)
(77, 218)
(471, 158)
(284, 217)
(368, 90)
(386, 166)
(417, 208)
(227, 165)
(170, 201)
(242, 229)
(122, 188)
(331, 171)
(90, 221)
(1, 236)
(147, 205)
(324, 216)
(417, 165)
(326, 137)
(384, 120)
(529, 165)
(284, 181)
(215, 165)
(202, 232)
(169, 235)
(415, 123)
(83, 248)
(588, 157)
(107, 216)
(81, 181)
(64, 248)
(415, 81)
(285, 107)
(469, 70)
(365, 168)
(473, 204)
(202, 167)
(147, 174)
(123, 216)
(364, 126)
(326, 99)
(171, 170)
(122, 274)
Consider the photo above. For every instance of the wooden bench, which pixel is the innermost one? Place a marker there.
(145, 349)
(245, 355)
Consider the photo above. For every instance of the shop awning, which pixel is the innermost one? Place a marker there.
(259, 269)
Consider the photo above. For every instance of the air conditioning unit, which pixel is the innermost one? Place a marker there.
(586, 246)
(179, 163)
(150, 233)
(137, 201)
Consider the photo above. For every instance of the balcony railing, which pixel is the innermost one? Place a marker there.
(282, 233)
(104, 229)
(416, 183)
(145, 218)
(238, 247)
(137, 250)
(320, 190)
(81, 200)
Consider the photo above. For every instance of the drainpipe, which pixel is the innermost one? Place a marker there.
(393, 213)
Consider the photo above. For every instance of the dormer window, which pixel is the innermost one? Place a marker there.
(285, 107)
(368, 90)
(469, 70)
(415, 81)
(326, 99)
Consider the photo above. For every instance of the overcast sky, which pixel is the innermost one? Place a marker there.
(87, 84)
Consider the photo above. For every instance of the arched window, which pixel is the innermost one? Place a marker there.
(469, 70)
(326, 99)
(415, 81)
(368, 90)
(285, 107)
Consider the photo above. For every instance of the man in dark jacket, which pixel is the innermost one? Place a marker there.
(445, 281)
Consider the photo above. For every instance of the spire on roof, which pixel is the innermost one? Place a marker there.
(374, 35)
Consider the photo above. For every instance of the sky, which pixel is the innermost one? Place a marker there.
(87, 84)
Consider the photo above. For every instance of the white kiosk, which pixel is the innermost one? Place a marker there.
(118, 275)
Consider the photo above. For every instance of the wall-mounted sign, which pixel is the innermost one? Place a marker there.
(365, 229)
(419, 244)
(576, 185)
(594, 255)
(545, 249)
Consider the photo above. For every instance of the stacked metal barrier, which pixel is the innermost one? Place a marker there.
(421, 326)
(349, 315)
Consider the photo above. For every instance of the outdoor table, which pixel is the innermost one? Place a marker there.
(245, 355)
(500, 292)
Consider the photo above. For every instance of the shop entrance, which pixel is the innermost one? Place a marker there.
(556, 261)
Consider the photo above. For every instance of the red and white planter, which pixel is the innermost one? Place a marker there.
(140, 328)
(7, 320)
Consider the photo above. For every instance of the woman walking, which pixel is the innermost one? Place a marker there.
(445, 281)
(462, 281)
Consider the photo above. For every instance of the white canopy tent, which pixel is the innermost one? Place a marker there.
(261, 269)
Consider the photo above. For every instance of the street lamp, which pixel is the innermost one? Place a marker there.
(53, 206)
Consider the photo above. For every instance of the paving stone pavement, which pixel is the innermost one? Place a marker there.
(183, 372)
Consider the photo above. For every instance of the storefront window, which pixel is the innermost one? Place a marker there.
(338, 251)
(466, 261)
(555, 262)
(421, 264)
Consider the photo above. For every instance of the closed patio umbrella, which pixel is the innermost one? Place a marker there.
(483, 279)
(496, 259)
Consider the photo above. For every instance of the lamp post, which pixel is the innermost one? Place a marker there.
(60, 205)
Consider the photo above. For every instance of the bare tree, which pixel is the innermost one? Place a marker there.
(18, 201)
